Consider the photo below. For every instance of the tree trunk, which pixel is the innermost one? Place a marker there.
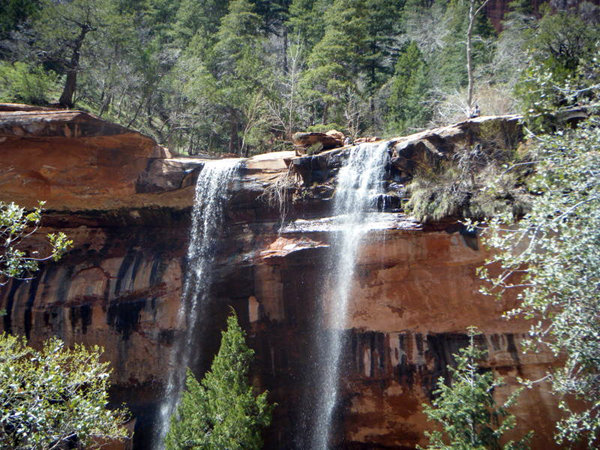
(285, 50)
(472, 16)
(233, 133)
(469, 57)
(66, 98)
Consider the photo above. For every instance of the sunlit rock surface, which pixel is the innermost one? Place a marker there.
(126, 204)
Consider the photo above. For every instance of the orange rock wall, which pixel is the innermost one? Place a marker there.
(127, 208)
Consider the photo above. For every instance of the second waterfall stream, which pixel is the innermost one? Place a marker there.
(212, 192)
(360, 183)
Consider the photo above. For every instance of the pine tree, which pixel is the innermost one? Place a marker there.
(334, 63)
(467, 410)
(409, 92)
(306, 21)
(221, 412)
(240, 71)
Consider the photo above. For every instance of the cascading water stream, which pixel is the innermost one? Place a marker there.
(212, 188)
(360, 181)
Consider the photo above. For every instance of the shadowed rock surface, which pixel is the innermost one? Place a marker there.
(126, 204)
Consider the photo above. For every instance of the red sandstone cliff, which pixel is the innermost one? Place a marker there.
(126, 204)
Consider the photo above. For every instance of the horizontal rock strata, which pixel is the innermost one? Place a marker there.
(126, 204)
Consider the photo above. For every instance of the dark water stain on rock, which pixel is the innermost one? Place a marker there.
(124, 316)
(83, 314)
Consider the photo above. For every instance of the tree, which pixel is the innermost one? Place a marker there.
(562, 64)
(62, 28)
(222, 411)
(409, 91)
(552, 255)
(54, 397)
(306, 21)
(475, 7)
(16, 225)
(333, 64)
(235, 72)
(466, 409)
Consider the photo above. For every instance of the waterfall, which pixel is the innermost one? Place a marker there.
(360, 181)
(212, 189)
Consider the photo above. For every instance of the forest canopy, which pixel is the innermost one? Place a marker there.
(240, 76)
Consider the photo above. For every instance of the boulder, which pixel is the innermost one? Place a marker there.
(367, 139)
(316, 141)
(336, 134)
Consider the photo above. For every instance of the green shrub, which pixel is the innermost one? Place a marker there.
(24, 83)
(472, 183)
(466, 409)
(54, 397)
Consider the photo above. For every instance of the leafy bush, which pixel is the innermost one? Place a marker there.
(472, 183)
(17, 224)
(554, 254)
(54, 397)
(24, 83)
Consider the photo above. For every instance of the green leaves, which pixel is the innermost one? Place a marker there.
(16, 225)
(54, 395)
(222, 411)
(409, 92)
(466, 409)
(552, 257)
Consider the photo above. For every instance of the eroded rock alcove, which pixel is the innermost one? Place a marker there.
(126, 204)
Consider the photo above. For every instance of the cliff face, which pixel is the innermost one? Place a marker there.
(126, 204)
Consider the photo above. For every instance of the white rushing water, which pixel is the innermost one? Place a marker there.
(212, 189)
(360, 181)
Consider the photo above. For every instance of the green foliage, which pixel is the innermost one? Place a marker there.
(241, 76)
(14, 14)
(16, 225)
(452, 60)
(54, 397)
(553, 255)
(560, 53)
(409, 92)
(466, 409)
(222, 411)
(473, 182)
(306, 20)
(23, 83)
(329, 76)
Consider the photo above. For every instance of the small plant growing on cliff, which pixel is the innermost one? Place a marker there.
(16, 225)
(222, 411)
(54, 398)
(466, 409)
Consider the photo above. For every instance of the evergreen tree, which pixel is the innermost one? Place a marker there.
(453, 58)
(240, 72)
(334, 63)
(383, 18)
(409, 92)
(306, 21)
(198, 18)
(221, 412)
(466, 409)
